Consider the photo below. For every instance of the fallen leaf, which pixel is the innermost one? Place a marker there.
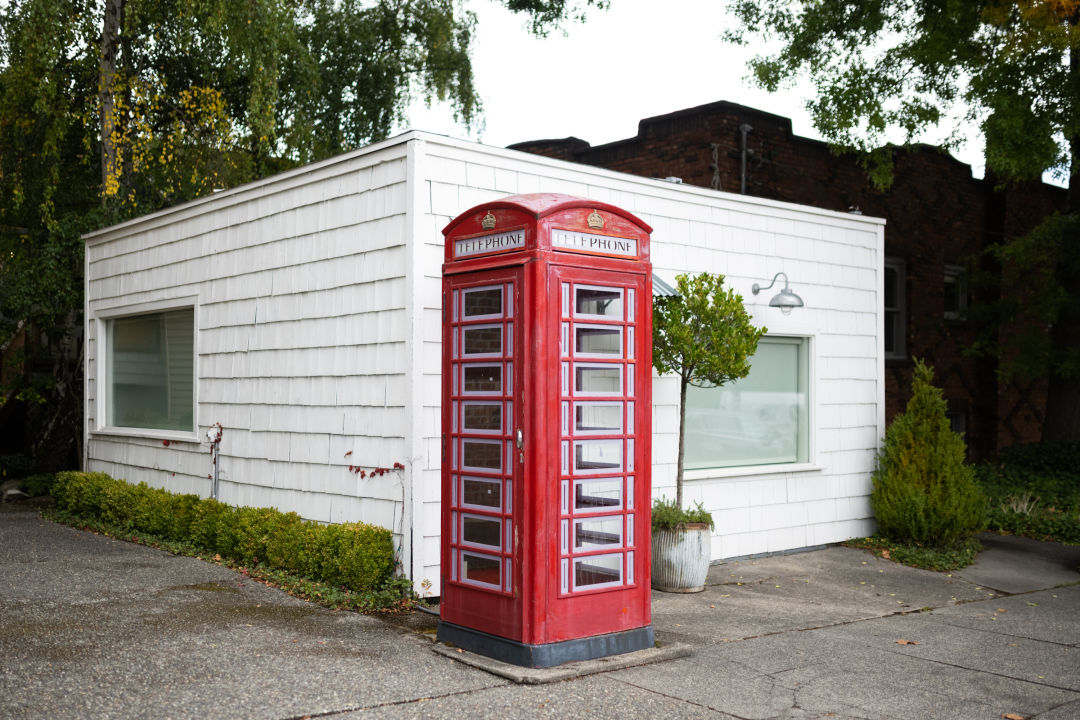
(885, 554)
(1001, 610)
(1013, 716)
(906, 642)
(1033, 604)
(459, 650)
(712, 606)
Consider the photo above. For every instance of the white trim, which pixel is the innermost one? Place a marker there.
(99, 318)
(745, 470)
(412, 536)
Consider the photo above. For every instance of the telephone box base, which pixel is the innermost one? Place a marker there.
(548, 654)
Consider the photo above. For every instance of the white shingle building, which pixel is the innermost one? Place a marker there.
(303, 313)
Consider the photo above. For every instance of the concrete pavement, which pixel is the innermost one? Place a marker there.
(96, 628)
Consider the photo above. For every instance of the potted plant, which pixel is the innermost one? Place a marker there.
(704, 335)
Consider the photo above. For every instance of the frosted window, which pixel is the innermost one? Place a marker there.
(150, 362)
(758, 420)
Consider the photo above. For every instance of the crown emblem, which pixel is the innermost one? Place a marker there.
(488, 222)
(595, 221)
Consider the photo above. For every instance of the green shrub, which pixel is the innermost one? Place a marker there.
(924, 494)
(37, 485)
(1034, 491)
(667, 515)
(353, 556)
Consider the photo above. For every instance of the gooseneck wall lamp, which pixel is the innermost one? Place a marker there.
(785, 299)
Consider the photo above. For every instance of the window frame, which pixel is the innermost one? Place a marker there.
(958, 275)
(811, 462)
(899, 338)
(102, 317)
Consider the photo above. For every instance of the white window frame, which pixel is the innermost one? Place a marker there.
(899, 351)
(101, 415)
(812, 463)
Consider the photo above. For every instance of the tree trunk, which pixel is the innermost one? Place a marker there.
(1062, 421)
(682, 441)
(110, 44)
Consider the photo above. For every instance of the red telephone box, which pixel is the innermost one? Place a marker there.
(546, 430)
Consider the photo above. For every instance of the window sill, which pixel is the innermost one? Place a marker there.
(735, 472)
(147, 433)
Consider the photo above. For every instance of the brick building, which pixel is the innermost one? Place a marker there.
(939, 221)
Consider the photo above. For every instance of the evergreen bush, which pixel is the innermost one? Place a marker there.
(924, 493)
(355, 556)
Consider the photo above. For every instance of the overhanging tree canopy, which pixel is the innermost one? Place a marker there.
(113, 108)
(882, 67)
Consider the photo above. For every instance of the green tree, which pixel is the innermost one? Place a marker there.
(704, 335)
(110, 109)
(908, 66)
(924, 494)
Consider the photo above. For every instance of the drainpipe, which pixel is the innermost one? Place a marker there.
(744, 129)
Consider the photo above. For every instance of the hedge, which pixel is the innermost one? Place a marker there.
(355, 556)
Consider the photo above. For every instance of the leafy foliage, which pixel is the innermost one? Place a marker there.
(1034, 491)
(886, 65)
(947, 559)
(353, 556)
(668, 515)
(110, 109)
(924, 494)
(1013, 67)
(704, 335)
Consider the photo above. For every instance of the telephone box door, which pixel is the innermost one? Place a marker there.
(481, 479)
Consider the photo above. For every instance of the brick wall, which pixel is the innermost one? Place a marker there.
(938, 216)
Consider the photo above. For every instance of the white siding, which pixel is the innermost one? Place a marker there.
(319, 315)
(299, 283)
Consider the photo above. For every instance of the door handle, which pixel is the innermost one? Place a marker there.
(519, 439)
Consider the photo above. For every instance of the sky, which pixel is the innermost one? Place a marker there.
(642, 57)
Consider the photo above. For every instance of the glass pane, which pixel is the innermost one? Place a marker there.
(598, 379)
(481, 493)
(760, 419)
(150, 366)
(483, 302)
(605, 493)
(597, 570)
(890, 287)
(597, 533)
(890, 331)
(485, 340)
(597, 455)
(598, 417)
(483, 378)
(483, 455)
(598, 341)
(481, 530)
(482, 416)
(598, 301)
(480, 569)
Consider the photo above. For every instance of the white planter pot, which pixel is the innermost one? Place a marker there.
(680, 558)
